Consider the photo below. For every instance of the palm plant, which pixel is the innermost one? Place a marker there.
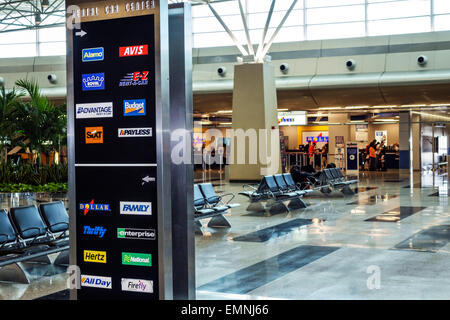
(8, 102)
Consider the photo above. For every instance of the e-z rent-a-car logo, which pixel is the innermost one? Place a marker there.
(136, 78)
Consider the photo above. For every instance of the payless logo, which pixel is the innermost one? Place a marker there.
(138, 208)
(134, 132)
(93, 81)
(91, 206)
(131, 51)
(96, 282)
(134, 107)
(94, 135)
(137, 259)
(94, 256)
(92, 54)
(137, 285)
(137, 78)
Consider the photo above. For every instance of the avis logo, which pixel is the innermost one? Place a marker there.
(94, 135)
(136, 78)
(93, 81)
(131, 51)
(137, 208)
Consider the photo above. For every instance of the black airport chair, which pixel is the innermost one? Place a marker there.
(214, 200)
(29, 225)
(293, 186)
(338, 173)
(56, 217)
(284, 188)
(200, 202)
(8, 235)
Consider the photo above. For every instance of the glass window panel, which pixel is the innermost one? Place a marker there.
(52, 48)
(442, 23)
(25, 36)
(335, 31)
(336, 14)
(441, 6)
(329, 3)
(52, 34)
(286, 34)
(255, 6)
(201, 11)
(399, 26)
(212, 24)
(18, 50)
(216, 39)
(258, 20)
(398, 9)
(226, 7)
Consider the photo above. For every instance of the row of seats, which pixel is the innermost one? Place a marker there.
(336, 177)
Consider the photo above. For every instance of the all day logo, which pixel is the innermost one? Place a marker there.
(134, 107)
(134, 132)
(137, 78)
(92, 54)
(93, 81)
(137, 259)
(137, 285)
(137, 208)
(138, 234)
(91, 206)
(131, 51)
(94, 110)
(94, 256)
(96, 282)
(94, 135)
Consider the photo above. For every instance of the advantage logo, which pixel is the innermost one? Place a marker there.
(136, 285)
(92, 54)
(134, 132)
(139, 208)
(94, 135)
(94, 110)
(94, 231)
(96, 282)
(136, 78)
(131, 51)
(137, 259)
(93, 81)
(86, 207)
(94, 256)
(139, 234)
(134, 107)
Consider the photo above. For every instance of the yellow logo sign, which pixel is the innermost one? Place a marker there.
(94, 256)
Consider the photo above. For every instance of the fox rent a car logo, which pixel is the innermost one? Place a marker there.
(94, 256)
(137, 259)
(137, 208)
(136, 78)
(138, 234)
(94, 135)
(94, 110)
(137, 285)
(91, 206)
(96, 282)
(92, 54)
(134, 107)
(130, 51)
(93, 81)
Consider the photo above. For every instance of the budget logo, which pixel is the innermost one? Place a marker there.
(94, 231)
(93, 81)
(92, 54)
(134, 132)
(94, 256)
(94, 110)
(137, 208)
(138, 234)
(96, 282)
(136, 78)
(137, 259)
(134, 107)
(94, 135)
(131, 51)
(91, 206)
(137, 285)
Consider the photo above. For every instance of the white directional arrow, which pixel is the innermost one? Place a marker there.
(80, 33)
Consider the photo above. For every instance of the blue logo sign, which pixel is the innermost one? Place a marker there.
(92, 54)
(134, 107)
(93, 81)
(98, 231)
(317, 139)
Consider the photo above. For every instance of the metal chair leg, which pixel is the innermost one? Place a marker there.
(14, 273)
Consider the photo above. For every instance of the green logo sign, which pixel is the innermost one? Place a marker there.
(137, 259)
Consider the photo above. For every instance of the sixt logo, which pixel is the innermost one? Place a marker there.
(136, 78)
(94, 135)
(94, 110)
(86, 207)
(138, 208)
(134, 107)
(134, 132)
(94, 256)
(94, 231)
(92, 54)
(137, 285)
(96, 282)
(131, 51)
(93, 81)
(139, 234)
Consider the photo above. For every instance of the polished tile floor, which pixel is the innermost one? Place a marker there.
(388, 241)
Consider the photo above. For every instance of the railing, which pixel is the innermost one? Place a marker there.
(297, 158)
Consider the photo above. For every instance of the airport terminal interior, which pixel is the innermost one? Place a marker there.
(319, 135)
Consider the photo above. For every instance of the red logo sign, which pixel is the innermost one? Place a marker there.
(131, 51)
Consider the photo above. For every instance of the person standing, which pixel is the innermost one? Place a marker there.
(311, 152)
(372, 156)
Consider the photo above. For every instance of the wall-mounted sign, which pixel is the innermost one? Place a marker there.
(293, 118)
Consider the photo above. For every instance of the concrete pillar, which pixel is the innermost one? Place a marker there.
(254, 120)
(340, 130)
(404, 140)
(415, 136)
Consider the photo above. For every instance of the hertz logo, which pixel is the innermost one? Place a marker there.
(94, 256)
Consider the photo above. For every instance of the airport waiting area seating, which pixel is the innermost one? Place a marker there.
(208, 204)
(272, 192)
(29, 235)
(333, 178)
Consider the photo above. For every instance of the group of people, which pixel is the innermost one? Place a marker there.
(317, 156)
(374, 156)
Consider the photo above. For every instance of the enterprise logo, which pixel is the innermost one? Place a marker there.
(96, 282)
(93, 81)
(94, 135)
(86, 207)
(94, 231)
(138, 208)
(92, 54)
(131, 51)
(134, 132)
(137, 259)
(94, 110)
(139, 234)
(134, 107)
(136, 78)
(137, 285)
(94, 256)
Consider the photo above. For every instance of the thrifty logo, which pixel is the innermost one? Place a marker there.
(94, 256)
(98, 231)
(137, 259)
